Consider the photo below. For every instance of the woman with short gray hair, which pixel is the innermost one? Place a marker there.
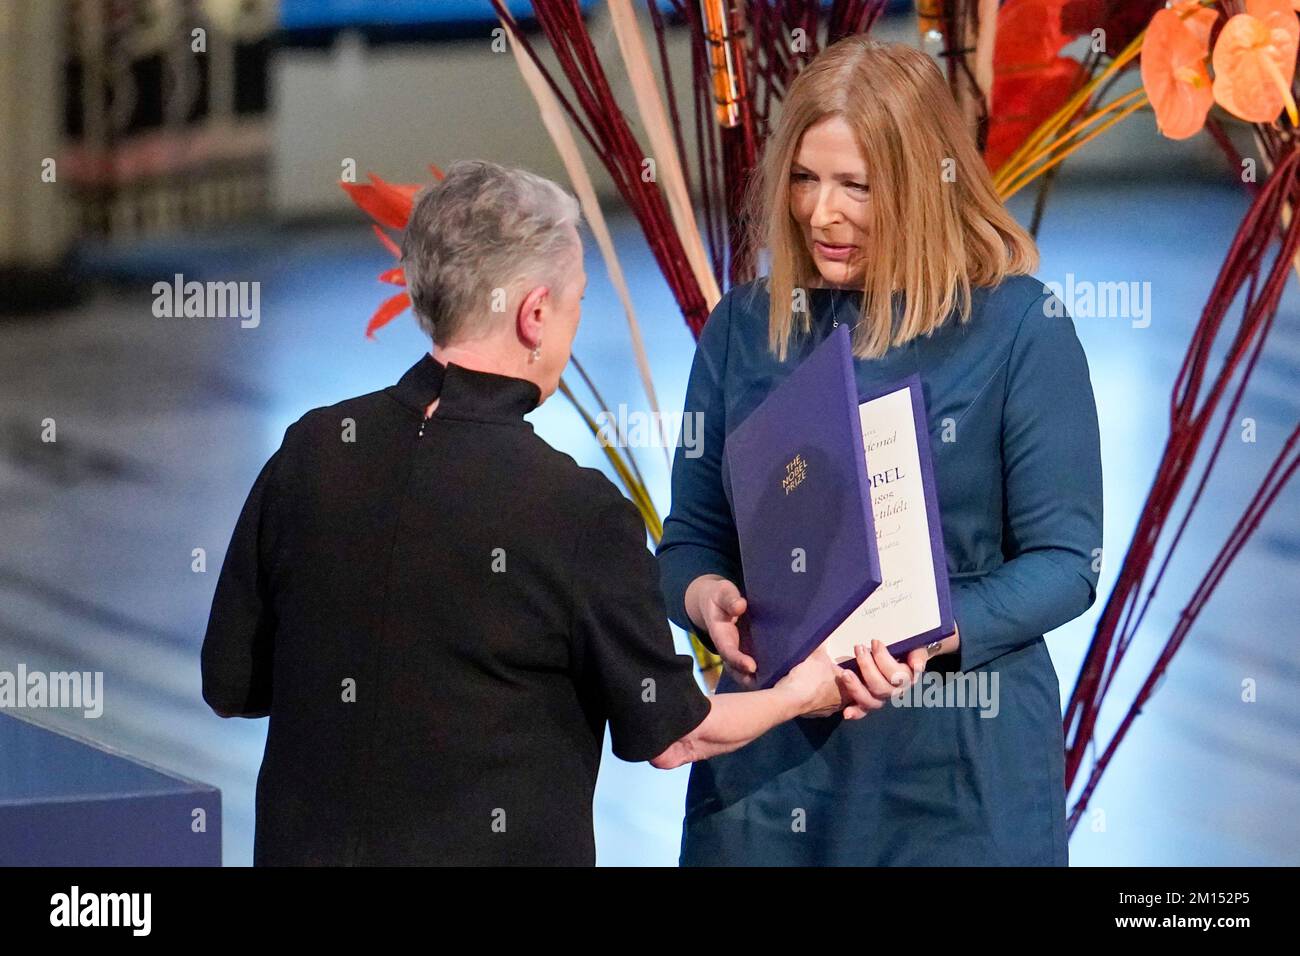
(441, 615)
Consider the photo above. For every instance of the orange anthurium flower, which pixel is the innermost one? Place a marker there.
(1254, 62)
(1199, 19)
(1173, 71)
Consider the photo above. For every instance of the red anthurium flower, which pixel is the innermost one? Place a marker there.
(1030, 78)
(1029, 33)
(1022, 101)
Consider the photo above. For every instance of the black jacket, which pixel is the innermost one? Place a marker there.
(439, 618)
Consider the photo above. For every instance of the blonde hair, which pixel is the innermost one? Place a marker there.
(936, 224)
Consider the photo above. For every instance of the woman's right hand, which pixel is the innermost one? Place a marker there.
(716, 605)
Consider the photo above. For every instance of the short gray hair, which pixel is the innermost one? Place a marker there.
(480, 228)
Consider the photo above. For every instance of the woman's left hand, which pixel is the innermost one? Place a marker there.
(880, 675)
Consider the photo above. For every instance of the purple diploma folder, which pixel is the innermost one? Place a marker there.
(802, 506)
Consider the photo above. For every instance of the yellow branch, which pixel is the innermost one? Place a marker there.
(1020, 184)
(1136, 96)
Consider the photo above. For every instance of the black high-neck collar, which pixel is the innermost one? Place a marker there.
(466, 393)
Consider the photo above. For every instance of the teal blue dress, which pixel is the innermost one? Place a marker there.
(1013, 431)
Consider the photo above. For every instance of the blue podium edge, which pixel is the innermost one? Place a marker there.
(109, 749)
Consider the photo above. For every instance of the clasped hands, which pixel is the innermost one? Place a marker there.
(827, 687)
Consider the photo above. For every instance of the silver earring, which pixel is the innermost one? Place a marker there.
(537, 352)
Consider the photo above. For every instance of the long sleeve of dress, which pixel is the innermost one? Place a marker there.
(699, 536)
(1051, 466)
(237, 649)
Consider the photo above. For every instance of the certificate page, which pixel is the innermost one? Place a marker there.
(907, 602)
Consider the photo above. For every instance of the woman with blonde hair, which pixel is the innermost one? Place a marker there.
(875, 209)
